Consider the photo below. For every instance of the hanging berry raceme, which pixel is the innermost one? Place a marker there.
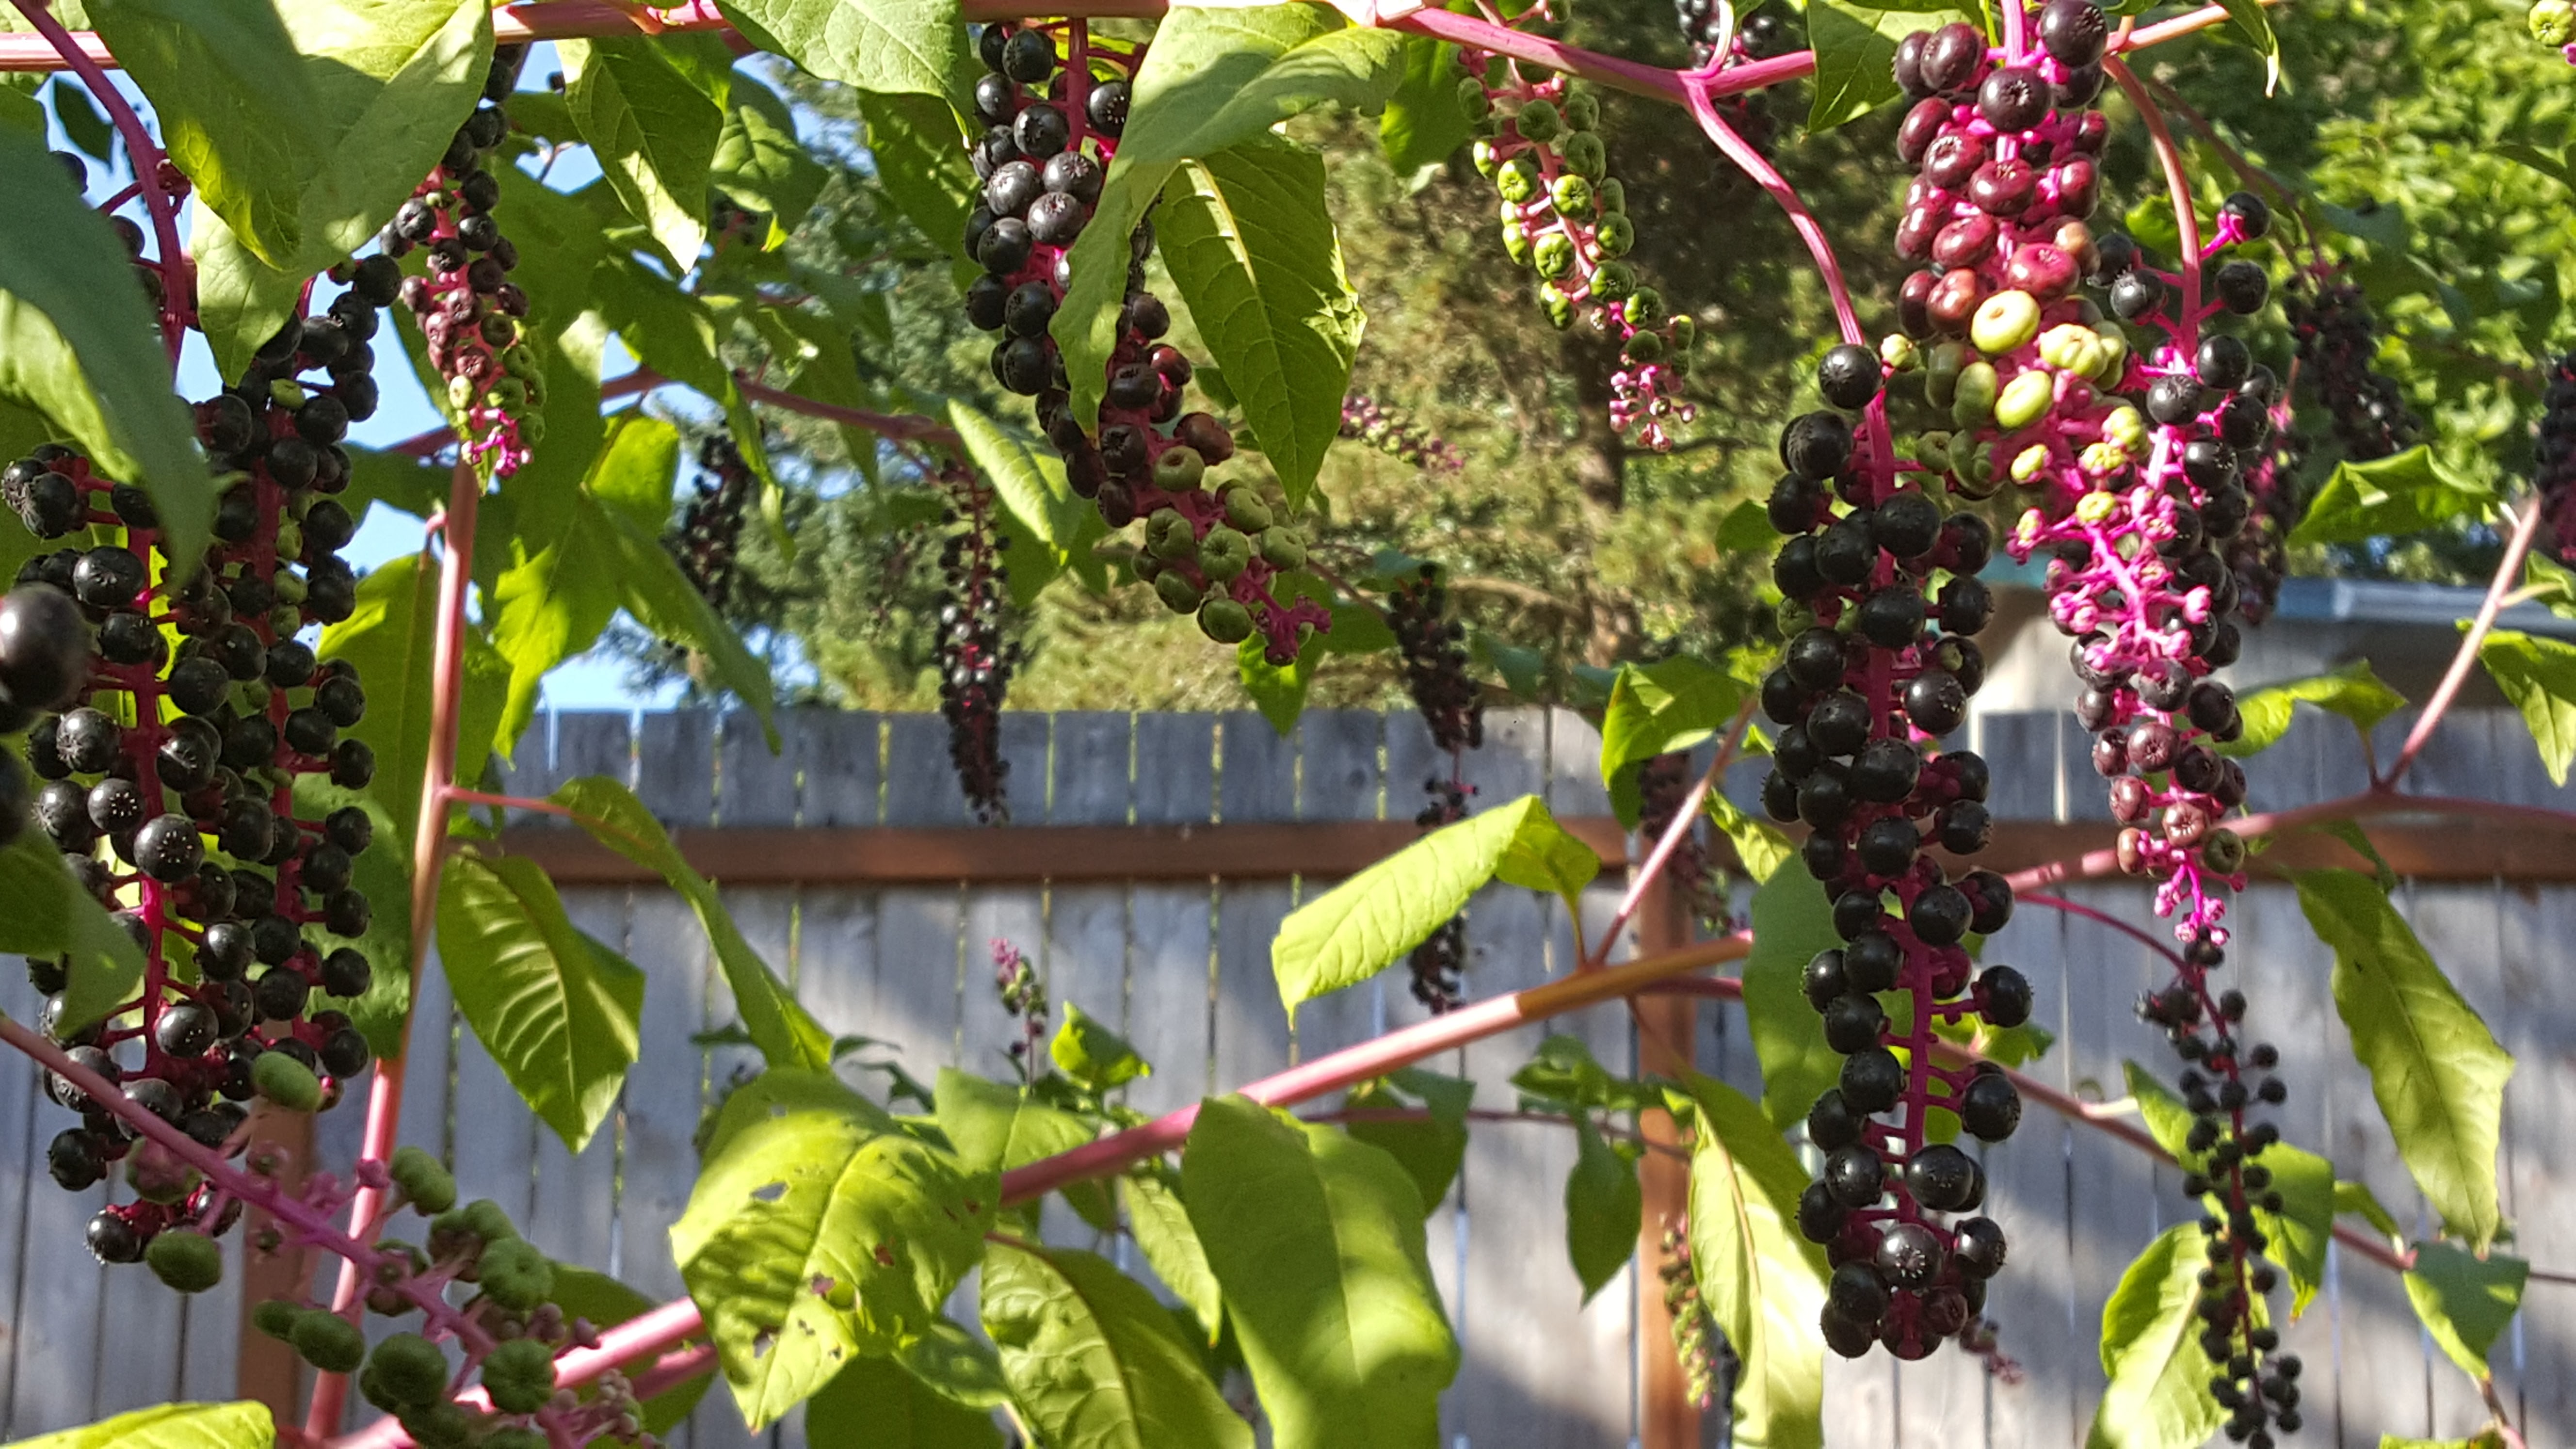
(2338, 345)
(1565, 217)
(1024, 996)
(2259, 556)
(1431, 645)
(1663, 783)
(1053, 122)
(1695, 1340)
(974, 659)
(469, 309)
(710, 533)
(2554, 471)
(1873, 674)
(1387, 430)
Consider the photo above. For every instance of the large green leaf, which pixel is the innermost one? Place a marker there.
(2435, 1068)
(81, 121)
(1317, 1240)
(1432, 1148)
(582, 1293)
(2159, 1393)
(874, 1404)
(1763, 1282)
(1094, 1361)
(1253, 250)
(884, 46)
(2539, 676)
(652, 109)
(78, 342)
(1214, 79)
(995, 1126)
(50, 915)
(1424, 124)
(392, 640)
(1366, 923)
(170, 1426)
(668, 329)
(558, 1011)
(785, 1033)
(1855, 58)
(1655, 709)
(820, 1232)
(922, 165)
(2393, 497)
(241, 300)
(1603, 1206)
(2352, 691)
(760, 163)
(2465, 1300)
(304, 125)
(1160, 1223)
(1792, 921)
(2300, 1231)
(1048, 518)
(1090, 1053)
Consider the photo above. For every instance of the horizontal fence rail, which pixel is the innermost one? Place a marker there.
(1153, 858)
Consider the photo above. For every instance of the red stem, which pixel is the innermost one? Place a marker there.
(902, 427)
(2060, 903)
(2508, 569)
(2178, 186)
(1685, 819)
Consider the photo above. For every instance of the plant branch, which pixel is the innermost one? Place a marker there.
(2508, 569)
(2072, 908)
(1685, 820)
(2178, 186)
(901, 427)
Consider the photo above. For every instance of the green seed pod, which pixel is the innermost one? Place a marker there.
(1225, 621)
(185, 1259)
(1179, 470)
(439, 1426)
(2123, 427)
(520, 1376)
(1614, 233)
(2223, 851)
(288, 585)
(2553, 22)
(1941, 378)
(1643, 348)
(157, 1175)
(1931, 449)
(290, 540)
(1538, 121)
(1793, 617)
(1613, 195)
(519, 362)
(1487, 160)
(515, 1275)
(422, 1180)
(2027, 464)
(1677, 363)
(1245, 510)
(485, 1219)
(1613, 280)
(1224, 554)
(1681, 332)
(1281, 548)
(1558, 306)
(460, 393)
(1898, 352)
(1554, 255)
(2067, 346)
(1581, 111)
(1973, 404)
(1645, 308)
(1571, 194)
(508, 394)
(1519, 181)
(410, 1370)
(327, 1341)
(1962, 456)
(287, 393)
(1516, 241)
(2025, 400)
(1473, 98)
(276, 1317)
(1169, 536)
(1177, 593)
(532, 429)
(2004, 321)
(287, 1082)
(1584, 155)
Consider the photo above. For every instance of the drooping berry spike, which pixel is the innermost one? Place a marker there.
(1024, 996)
(2554, 459)
(1453, 707)
(2338, 349)
(1696, 1343)
(1054, 100)
(974, 659)
(710, 532)
(1663, 785)
(1386, 429)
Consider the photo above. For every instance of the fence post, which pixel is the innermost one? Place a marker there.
(1666, 1417)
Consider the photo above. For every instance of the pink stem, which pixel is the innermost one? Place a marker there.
(2178, 186)
(902, 427)
(653, 1332)
(2060, 903)
(2508, 569)
(1685, 819)
(2016, 33)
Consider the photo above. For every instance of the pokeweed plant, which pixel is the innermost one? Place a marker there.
(205, 823)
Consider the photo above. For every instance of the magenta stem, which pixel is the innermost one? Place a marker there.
(2508, 569)
(1685, 819)
(2061, 903)
(2178, 185)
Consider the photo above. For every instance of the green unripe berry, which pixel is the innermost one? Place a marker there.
(515, 1439)
(1179, 470)
(327, 1341)
(422, 1180)
(409, 1370)
(460, 393)
(1614, 233)
(2004, 322)
(1518, 180)
(519, 362)
(1169, 536)
(1224, 554)
(1581, 111)
(276, 1317)
(487, 1220)
(2125, 428)
(1554, 255)
(1613, 195)
(158, 1175)
(1571, 194)
(508, 394)
(287, 1082)
(1473, 99)
(1177, 593)
(1281, 548)
(1644, 308)
(1961, 455)
(1643, 348)
(286, 393)
(1225, 621)
(1558, 306)
(1487, 160)
(520, 1376)
(515, 1275)
(1245, 510)
(1972, 405)
(185, 1259)
(1898, 352)
(439, 1426)
(1538, 121)
(2027, 464)
(1793, 617)
(2067, 346)
(2025, 400)
(1681, 332)
(1516, 240)
(2553, 22)
(1585, 156)
(1612, 281)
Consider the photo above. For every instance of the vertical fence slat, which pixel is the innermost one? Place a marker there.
(1257, 781)
(2537, 1025)
(918, 926)
(2033, 1306)
(1014, 913)
(1170, 962)
(1338, 780)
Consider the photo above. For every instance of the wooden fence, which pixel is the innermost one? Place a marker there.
(1106, 882)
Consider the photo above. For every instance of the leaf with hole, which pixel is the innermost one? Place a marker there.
(1094, 1362)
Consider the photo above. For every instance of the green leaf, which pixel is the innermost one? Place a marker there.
(1030, 483)
(558, 1011)
(652, 109)
(921, 166)
(606, 1302)
(1093, 1055)
(1747, 529)
(241, 300)
(50, 915)
(1763, 1282)
(2351, 834)
(18, 108)
(663, 600)
(1278, 690)
(2300, 1232)
(2358, 1199)
(760, 163)
(2352, 691)
(1368, 922)
(304, 126)
(170, 1426)
(995, 1128)
(2159, 1393)
(1603, 1207)
(666, 328)
(1094, 1361)
(1160, 1223)
(1792, 921)
(2539, 676)
(81, 121)
(1214, 79)
(956, 1365)
(392, 640)
(1430, 1149)
(875, 1404)
(1655, 709)
(1760, 845)
(1424, 124)
(1855, 59)
(2464, 1300)
(79, 343)
(2257, 25)
(2552, 164)
(2486, 1438)
(2391, 497)
(1253, 250)
(1318, 1242)
(819, 1232)
(2435, 1068)
(786, 1035)
(889, 47)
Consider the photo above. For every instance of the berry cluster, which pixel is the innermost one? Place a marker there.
(1024, 996)
(2554, 470)
(1435, 675)
(1758, 37)
(1387, 430)
(974, 660)
(711, 524)
(1696, 1343)
(152, 751)
(468, 307)
(1565, 217)
(2338, 342)
(1663, 783)
(2259, 555)
(1209, 552)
